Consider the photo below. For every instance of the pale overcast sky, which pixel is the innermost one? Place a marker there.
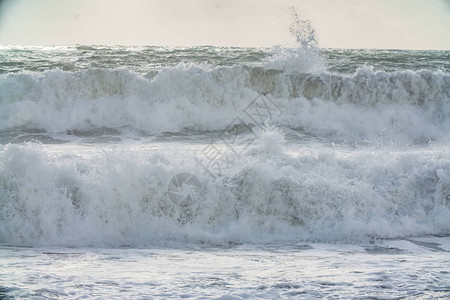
(406, 24)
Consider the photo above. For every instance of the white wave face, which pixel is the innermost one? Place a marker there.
(176, 98)
(85, 196)
(370, 105)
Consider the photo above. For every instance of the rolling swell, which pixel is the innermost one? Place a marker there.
(208, 98)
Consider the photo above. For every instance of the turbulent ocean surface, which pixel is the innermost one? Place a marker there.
(307, 172)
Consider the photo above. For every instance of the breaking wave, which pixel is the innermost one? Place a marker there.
(368, 105)
(119, 197)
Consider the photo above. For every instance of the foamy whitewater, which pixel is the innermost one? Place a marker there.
(322, 172)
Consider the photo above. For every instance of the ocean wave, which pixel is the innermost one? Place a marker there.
(119, 197)
(202, 97)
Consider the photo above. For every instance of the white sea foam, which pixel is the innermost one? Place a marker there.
(83, 196)
(369, 105)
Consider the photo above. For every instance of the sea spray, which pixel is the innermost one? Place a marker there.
(305, 56)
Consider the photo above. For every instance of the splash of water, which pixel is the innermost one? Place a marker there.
(302, 30)
(306, 57)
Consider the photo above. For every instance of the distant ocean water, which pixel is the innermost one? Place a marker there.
(293, 160)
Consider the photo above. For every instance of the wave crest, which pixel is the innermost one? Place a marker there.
(208, 98)
(266, 197)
